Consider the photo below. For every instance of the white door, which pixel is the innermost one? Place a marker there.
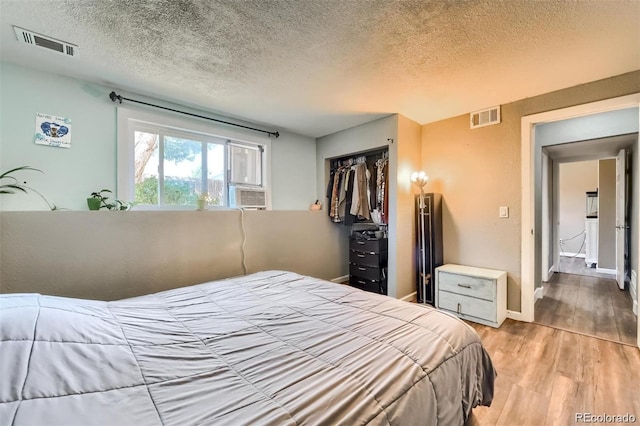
(620, 224)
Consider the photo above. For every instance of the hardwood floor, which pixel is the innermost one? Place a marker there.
(588, 305)
(547, 375)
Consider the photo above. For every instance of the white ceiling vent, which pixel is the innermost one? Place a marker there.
(35, 39)
(486, 117)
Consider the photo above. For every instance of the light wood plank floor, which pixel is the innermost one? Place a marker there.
(547, 375)
(588, 305)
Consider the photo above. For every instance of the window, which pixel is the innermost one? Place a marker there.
(170, 164)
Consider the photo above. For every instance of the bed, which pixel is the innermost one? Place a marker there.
(271, 348)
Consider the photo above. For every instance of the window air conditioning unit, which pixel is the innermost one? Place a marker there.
(486, 117)
(242, 196)
(46, 42)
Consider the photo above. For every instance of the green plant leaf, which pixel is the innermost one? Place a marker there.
(5, 174)
(14, 186)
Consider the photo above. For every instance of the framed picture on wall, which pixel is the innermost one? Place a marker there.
(53, 131)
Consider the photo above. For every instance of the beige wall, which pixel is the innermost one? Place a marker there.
(607, 214)
(408, 148)
(479, 170)
(575, 179)
(114, 255)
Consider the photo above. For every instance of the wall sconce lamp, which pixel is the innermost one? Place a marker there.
(420, 179)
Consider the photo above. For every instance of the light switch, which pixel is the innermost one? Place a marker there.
(504, 211)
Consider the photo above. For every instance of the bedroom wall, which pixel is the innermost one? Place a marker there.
(366, 137)
(90, 164)
(574, 180)
(479, 170)
(113, 255)
(408, 161)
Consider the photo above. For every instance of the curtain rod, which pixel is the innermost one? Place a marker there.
(115, 97)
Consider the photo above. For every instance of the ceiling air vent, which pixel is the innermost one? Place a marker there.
(35, 39)
(486, 117)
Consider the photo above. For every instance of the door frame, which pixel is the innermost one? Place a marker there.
(527, 236)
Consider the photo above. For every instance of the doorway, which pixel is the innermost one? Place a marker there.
(531, 236)
(579, 198)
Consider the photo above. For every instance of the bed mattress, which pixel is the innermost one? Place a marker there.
(271, 348)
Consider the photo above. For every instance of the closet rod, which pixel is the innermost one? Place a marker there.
(113, 96)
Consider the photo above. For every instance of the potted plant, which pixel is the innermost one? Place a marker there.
(203, 200)
(98, 200)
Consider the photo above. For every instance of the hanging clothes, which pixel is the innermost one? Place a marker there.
(330, 192)
(382, 185)
(360, 198)
(335, 197)
(357, 190)
(385, 191)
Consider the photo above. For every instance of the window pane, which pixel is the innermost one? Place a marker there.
(245, 165)
(182, 171)
(215, 174)
(146, 167)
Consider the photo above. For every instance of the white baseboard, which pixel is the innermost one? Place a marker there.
(566, 254)
(410, 297)
(340, 280)
(514, 315)
(606, 271)
(539, 293)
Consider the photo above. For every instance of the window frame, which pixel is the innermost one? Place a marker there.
(129, 120)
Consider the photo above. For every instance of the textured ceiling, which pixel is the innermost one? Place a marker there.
(318, 66)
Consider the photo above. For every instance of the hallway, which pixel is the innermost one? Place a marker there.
(588, 305)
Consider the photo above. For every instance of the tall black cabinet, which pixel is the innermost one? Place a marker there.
(428, 244)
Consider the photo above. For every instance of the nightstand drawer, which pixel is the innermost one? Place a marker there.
(481, 288)
(465, 306)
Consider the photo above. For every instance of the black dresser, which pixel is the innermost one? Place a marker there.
(368, 264)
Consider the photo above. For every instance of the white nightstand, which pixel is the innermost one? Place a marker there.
(474, 294)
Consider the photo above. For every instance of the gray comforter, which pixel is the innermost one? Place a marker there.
(272, 348)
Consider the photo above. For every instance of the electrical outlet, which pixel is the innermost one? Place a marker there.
(504, 211)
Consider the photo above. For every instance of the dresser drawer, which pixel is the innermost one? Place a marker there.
(379, 287)
(465, 306)
(368, 272)
(481, 288)
(367, 258)
(374, 245)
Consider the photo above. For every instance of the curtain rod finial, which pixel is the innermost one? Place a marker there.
(113, 97)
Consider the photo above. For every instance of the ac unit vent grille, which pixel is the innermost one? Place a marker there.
(252, 198)
(247, 197)
(45, 42)
(485, 117)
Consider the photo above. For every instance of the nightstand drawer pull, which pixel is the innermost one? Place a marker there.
(464, 285)
(362, 269)
(459, 309)
(360, 255)
(360, 242)
(361, 282)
